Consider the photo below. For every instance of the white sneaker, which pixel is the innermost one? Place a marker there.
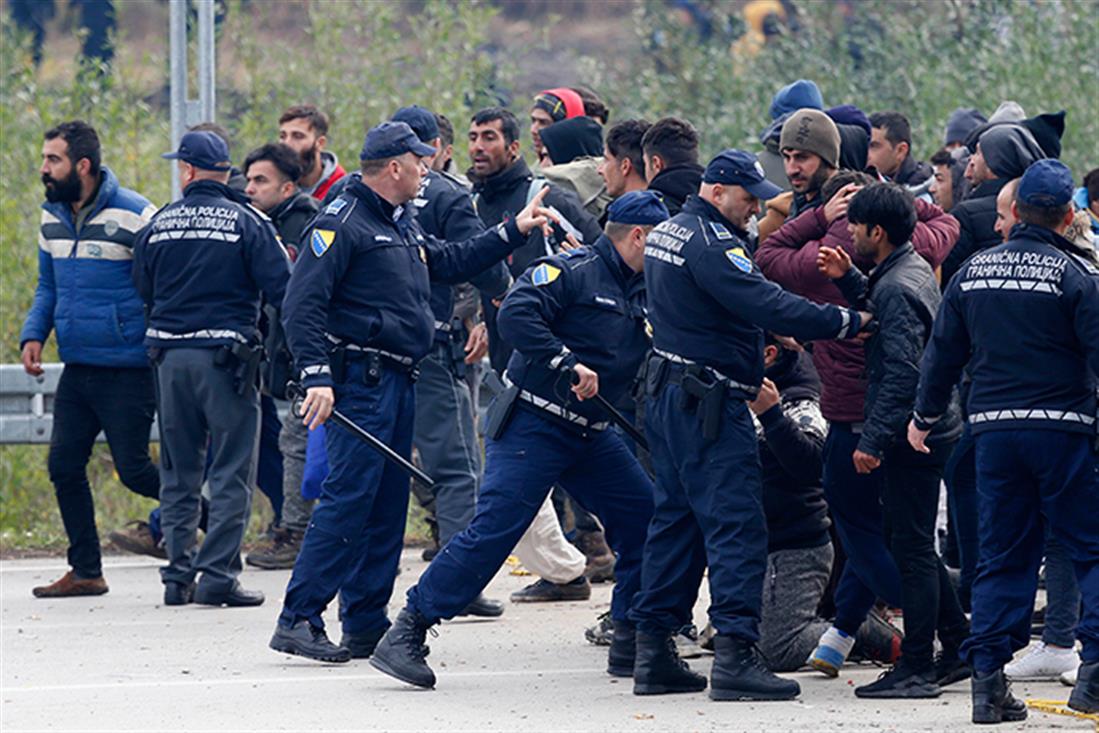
(1068, 679)
(1043, 662)
(686, 642)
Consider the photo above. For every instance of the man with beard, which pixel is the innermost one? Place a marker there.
(810, 147)
(84, 292)
(305, 129)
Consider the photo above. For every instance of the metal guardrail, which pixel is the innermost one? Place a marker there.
(26, 404)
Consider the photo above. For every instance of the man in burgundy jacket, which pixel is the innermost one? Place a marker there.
(788, 257)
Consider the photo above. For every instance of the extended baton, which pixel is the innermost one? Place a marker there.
(297, 394)
(617, 417)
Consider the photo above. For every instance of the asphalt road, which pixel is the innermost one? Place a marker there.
(123, 662)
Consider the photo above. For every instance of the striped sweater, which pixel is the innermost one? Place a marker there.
(85, 291)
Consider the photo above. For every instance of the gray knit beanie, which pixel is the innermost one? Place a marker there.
(812, 131)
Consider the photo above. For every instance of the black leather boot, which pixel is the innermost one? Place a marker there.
(402, 651)
(623, 650)
(993, 701)
(658, 670)
(739, 674)
(361, 645)
(1085, 695)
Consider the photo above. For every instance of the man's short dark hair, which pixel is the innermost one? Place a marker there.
(509, 125)
(885, 205)
(280, 155)
(1091, 183)
(896, 126)
(594, 107)
(624, 142)
(841, 179)
(1047, 217)
(214, 128)
(317, 120)
(82, 140)
(942, 156)
(446, 129)
(673, 139)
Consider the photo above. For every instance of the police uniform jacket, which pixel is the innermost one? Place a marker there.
(708, 301)
(584, 306)
(201, 264)
(1025, 317)
(364, 280)
(445, 211)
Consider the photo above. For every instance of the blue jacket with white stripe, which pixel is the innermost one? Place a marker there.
(1025, 317)
(201, 265)
(85, 291)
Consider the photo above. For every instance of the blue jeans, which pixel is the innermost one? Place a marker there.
(1024, 476)
(855, 502)
(532, 455)
(354, 540)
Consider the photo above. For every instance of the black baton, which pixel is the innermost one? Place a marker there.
(296, 393)
(617, 417)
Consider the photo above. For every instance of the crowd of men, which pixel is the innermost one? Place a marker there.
(759, 370)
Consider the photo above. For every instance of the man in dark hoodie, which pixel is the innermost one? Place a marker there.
(1001, 153)
(670, 150)
(574, 154)
(854, 129)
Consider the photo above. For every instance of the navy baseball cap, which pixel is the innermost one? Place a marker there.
(422, 121)
(738, 168)
(1046, 183)
(638, 207)
(390, 139)
(202, 149)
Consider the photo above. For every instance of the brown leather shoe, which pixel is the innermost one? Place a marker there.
(70, 585)
(137, 537)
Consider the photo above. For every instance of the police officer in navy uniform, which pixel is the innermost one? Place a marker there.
(444, 434)
(358, 320)
(708, 304)
(1025, 317)
(201, 265)
(577, 313)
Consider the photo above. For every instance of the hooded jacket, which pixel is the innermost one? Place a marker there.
(676, 184)
(331, 171)
(85, 290)
(789, 257)
(290, 219)
(1009, 150)
(576, 148)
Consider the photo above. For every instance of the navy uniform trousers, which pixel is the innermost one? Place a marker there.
(709, 509)
(354, 540)
(532, 455)
(1023, 477)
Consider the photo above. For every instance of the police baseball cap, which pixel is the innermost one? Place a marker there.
(422, 121)
(390, 139)
(738, 168)
(202, 149)
(1046, 183)
(638, 207)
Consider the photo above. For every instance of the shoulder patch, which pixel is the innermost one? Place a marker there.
(321, 240)
(720, 230)
(336, 206)
(739, 259)
(544, 274)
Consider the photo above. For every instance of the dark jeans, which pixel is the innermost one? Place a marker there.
(121, 403)
(911, 502)
(961, 491)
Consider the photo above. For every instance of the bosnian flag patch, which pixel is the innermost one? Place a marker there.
(321, 240)
(737, 256)
(544, 274)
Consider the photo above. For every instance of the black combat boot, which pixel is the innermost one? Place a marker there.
(740, 674)
(993, 701)
(623, 650)
(1085, 695)
(402, 651)
(658, 670)
(361, 645)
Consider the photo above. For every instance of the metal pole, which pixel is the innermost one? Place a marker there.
(177, 33)
(206, 66)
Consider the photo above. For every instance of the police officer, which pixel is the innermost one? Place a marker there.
(358, 319)
(444, 434)
(200, 266)
(1025, 316)
(579, 313)
(707, 304)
